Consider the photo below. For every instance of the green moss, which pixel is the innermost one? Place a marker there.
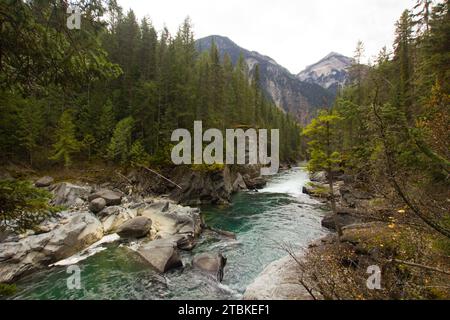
(7, 290)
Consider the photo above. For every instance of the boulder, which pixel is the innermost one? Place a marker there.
(97, 205)
(44, 182)
(67, 194)
(112, 198)
(161, 254)
(210, 263)
(344, 216)
(254, 183)
(138, 227)
(37, 251)
(278, 281)
(113, 217)
(170, 219)
(239, 183)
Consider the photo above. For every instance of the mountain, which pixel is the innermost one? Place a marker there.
(330, 73)
(300, 98)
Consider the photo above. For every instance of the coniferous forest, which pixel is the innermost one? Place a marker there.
(116, 89)
(373, 167)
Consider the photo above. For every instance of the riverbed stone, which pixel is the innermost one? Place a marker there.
(97, 205)
(138, 227)
(162, 254)
(211, 263)
(112, 198)
(67, 194)
(170, 219)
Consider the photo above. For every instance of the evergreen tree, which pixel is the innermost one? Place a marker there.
(120, 144)
(66, 143)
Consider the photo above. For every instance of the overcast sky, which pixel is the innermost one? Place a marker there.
(295, 33)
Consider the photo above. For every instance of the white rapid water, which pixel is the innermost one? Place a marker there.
(291, 183)
(88, 252)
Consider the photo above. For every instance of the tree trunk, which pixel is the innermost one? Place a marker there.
(333, 205)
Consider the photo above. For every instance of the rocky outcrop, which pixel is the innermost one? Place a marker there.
(239, 183)
(170, 219)
(97, 205)
(137, 227)
(278, 281)
(74, 233)
(254, 183)
(344, 216)
(44, 182)
(113, 217)
(213, 264)
(161, 254)
(203, 187)
(67, 194)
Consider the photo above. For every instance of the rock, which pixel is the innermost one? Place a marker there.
(211, 263)
(351, 196)
(254, 183)
(138, 227)
(113, 217)
(202, 187)
(37, 251)
(97, 205)
(278, 281)
(320, 176)
(345, 217)
(66, 194)
(161, 254)
(239, 183)
(44, 182)
(175, 219)
(112, 198)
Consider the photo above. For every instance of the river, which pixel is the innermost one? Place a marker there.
(280, 213)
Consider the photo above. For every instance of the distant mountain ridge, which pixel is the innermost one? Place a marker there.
(300, 98)
(331, 72)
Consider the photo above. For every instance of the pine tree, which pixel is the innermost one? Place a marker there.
(120, 144)
(66, 143)
(324, 152)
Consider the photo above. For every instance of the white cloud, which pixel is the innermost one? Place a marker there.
(295, 33)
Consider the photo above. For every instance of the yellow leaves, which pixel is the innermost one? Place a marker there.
(401, 211)
(391, 226)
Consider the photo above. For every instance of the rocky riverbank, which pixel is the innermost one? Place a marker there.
(158, 227)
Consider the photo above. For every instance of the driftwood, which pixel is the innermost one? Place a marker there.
(161, 176)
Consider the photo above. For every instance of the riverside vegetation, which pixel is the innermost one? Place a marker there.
(98, 105)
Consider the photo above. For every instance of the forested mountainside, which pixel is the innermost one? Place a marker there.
(298, 98)
(388, 132)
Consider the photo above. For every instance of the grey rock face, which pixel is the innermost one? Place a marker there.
(97, 205)
(138, 227)
(34, 252)
(67, 194)
(112, 198)
(161, 254)
(211, 263)
(287, 91)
